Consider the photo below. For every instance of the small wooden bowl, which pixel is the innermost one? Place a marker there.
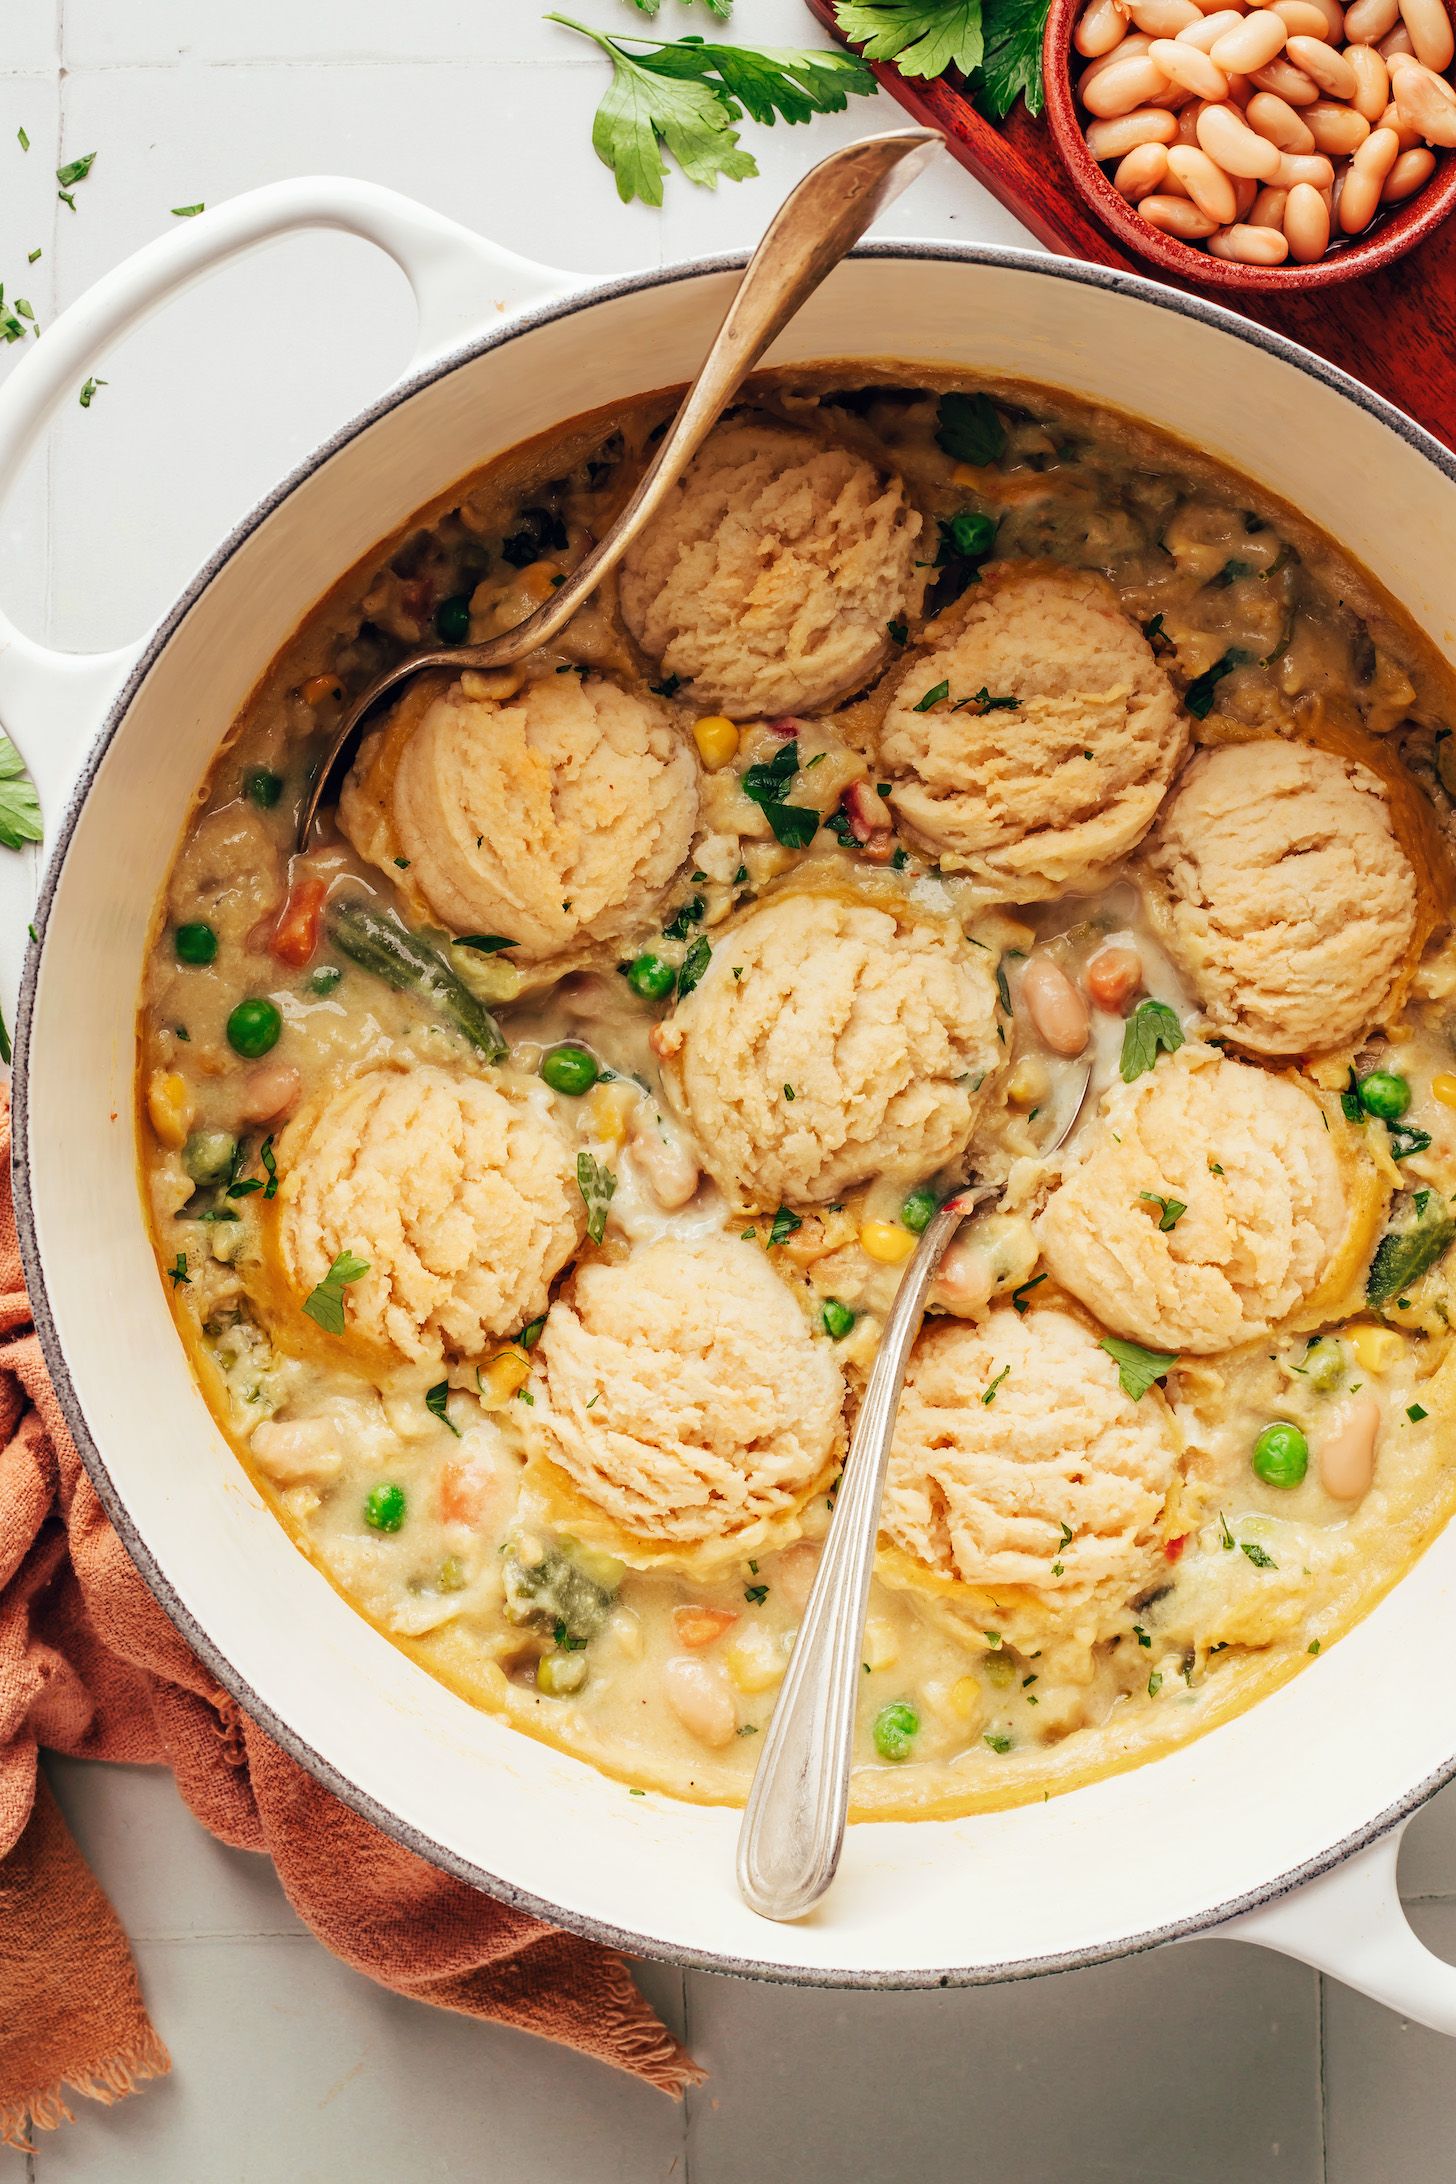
(1392, 235)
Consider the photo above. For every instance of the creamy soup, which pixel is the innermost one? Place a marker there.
(953, 781)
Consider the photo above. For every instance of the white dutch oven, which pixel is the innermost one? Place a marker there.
(1264, 1812)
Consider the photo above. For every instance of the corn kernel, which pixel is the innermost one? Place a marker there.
(964, 1697)
(967, 474)
(1028, 1083)
(1377, 1348)
(881, 1646)
(1444, 1088)
(886, 1241)
(499, 1380)
(717, 741)
(169, 1106)
(539, 581)
(320, 688)
(754, 1661)
(492, 682)
(607, 1110)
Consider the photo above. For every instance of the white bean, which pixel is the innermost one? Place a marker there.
(1165, 18)
(1275, 119)
(1394, 43)
(1268, 208)
(1430, 32)
(1142, 172)
(1347, 1452)
(269, 1091)
(1208, 186)
(1306, 224)
(1368, 20)
(794, 1575)
(1410, 171)
(1127, 49)
(965, 1280)
(1123, 86)
(1337, 130)
(1172, 186)
(1406, 131)
(1207, 31)
(1287, 82)
(670, 1172)
(1252, 45)
(1230, 144)
(1052, 1001)
(701, 1696)
(1377, 155)
(1372, 82)
(1301, 19)
(1185, 65)
(1333, 13)
(1315, 169)
(1249, 245)
(293, 1449)
(1099, 28)
(1115, 139)
(1428, 104)
(1327, 68)
(1246, 189)
(1360, 196)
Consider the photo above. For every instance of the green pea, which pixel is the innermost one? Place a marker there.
(253, 1028)
(384, 1508)
(570, 1069)
(896, 1726)
(1000, 1669)
(208, 1155)
(264, 788)
(1281, 1455)
(452, 619)
(918, 1208)
(325, 978)
(1325, 1366)
(1384, 1094)
(837, 1318)
(195, 944)
(557, 1674)
(651, 977)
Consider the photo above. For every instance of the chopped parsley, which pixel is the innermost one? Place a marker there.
(668, 689)
(19, 804)
(88, 392)
(1227, 1539)
(1137, 1368)
(177, 1272)
(1257, 1556)
(998, 1744)
(789, 1093)
(933, 697)
(691, 913)
(900, 631)
(1018, 1296)
(990, 1394)
(1213, 1166)
(1151, 1026)
(755, 1595)
(794, 825)
(435, 1401)
(1415, 1414)
(971, 430)
(1313, 1646)
(1155, 1684)
(1003, 990)
(985, 703)
(1173, 1209)
(486, 943)
(75, 170)
(785, 1225)
(325, 1304)
(694, 963)
(1199, 695)
(22, 139)
(596, 1182)
(1404, 1140)
(1141, 1636)
(187, 212)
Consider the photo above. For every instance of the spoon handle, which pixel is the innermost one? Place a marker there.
(793, 1827)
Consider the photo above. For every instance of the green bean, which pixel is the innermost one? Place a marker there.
(386, 949)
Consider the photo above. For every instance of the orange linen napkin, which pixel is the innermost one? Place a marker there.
(90, 1666)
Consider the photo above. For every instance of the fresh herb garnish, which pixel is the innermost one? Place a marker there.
(1137, 1368)
(990, 1394)
(1415, 1414)
(177, 1272)
(998, 1744)
(985, 703)
(485, 943)
(1152, 1025)
(971, 430)
(785, 1224)
(22, 139)
(1002, 988)
(325, 1304)
(1199, 695)
(755, 1595)
(75, 170)
(900, 631)
(187, 212)
(1141, 1635)
(922, 37)
(435, 1401)
(668, 689)
(1018, 1296)
(596, 1182)
(19, 804)
(88, 392)
(794, 825)
(932, 697)
(1404, 1140)
(1011, 63)
(690, 914)
(1155, 1684)
(684, 96)
(1173, 1209)
(694, 963)
(1257, 1556)
(1227, 1539)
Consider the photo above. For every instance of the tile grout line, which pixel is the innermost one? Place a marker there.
(1324, 2149)
(690, 2092)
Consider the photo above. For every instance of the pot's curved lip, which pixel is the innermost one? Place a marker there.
(351, 1793)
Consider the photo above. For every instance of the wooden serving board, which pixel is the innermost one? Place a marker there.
(1395, 330)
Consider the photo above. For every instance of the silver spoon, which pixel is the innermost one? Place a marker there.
(793, 1826)
(819, 221)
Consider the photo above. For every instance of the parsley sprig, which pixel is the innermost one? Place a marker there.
(684, 95)
(19, 805)
(325, 1303)
(994, 44)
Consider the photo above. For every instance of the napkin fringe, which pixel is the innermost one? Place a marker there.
(46, 2109)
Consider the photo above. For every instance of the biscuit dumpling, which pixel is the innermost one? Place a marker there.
(554, 817)
(1050, 792)
(827, 1043)
(767, 578)
(1250, 1159)
(1058, 1482)
(461, 1198)
(683, 1393)
(1284, 894)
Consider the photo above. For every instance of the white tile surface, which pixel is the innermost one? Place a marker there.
(1194, 2064)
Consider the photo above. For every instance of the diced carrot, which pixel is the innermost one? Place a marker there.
(468, 1492)
(699, 1626)
(1174, 1547)
(296, 935)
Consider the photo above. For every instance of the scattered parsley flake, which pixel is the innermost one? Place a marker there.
(325, 1304)
(1199, 695)
(88, 392)
(32, 258)
(177, 1272)
(435, 1401)
(788, 1092)
(1213, 1167)
(971, 430)
(1018, 1296)
(1141, 1636)
(1137, 1368)
(990, 1394)
(900, 631)
(24, 142)
(1173, 1209)
(1415, 1414)
(187, 212)
(1257, 1556)
(1313, 1646)
(785, 1225)
(998, 1744)
(1155, 1684)
(1151, 1026)
(75, 170)
(596, 1182)
(694, 963)
(932, 697)
(755, 1595)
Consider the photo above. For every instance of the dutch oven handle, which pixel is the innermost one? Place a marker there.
(1351, 1924)
(52, 703)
